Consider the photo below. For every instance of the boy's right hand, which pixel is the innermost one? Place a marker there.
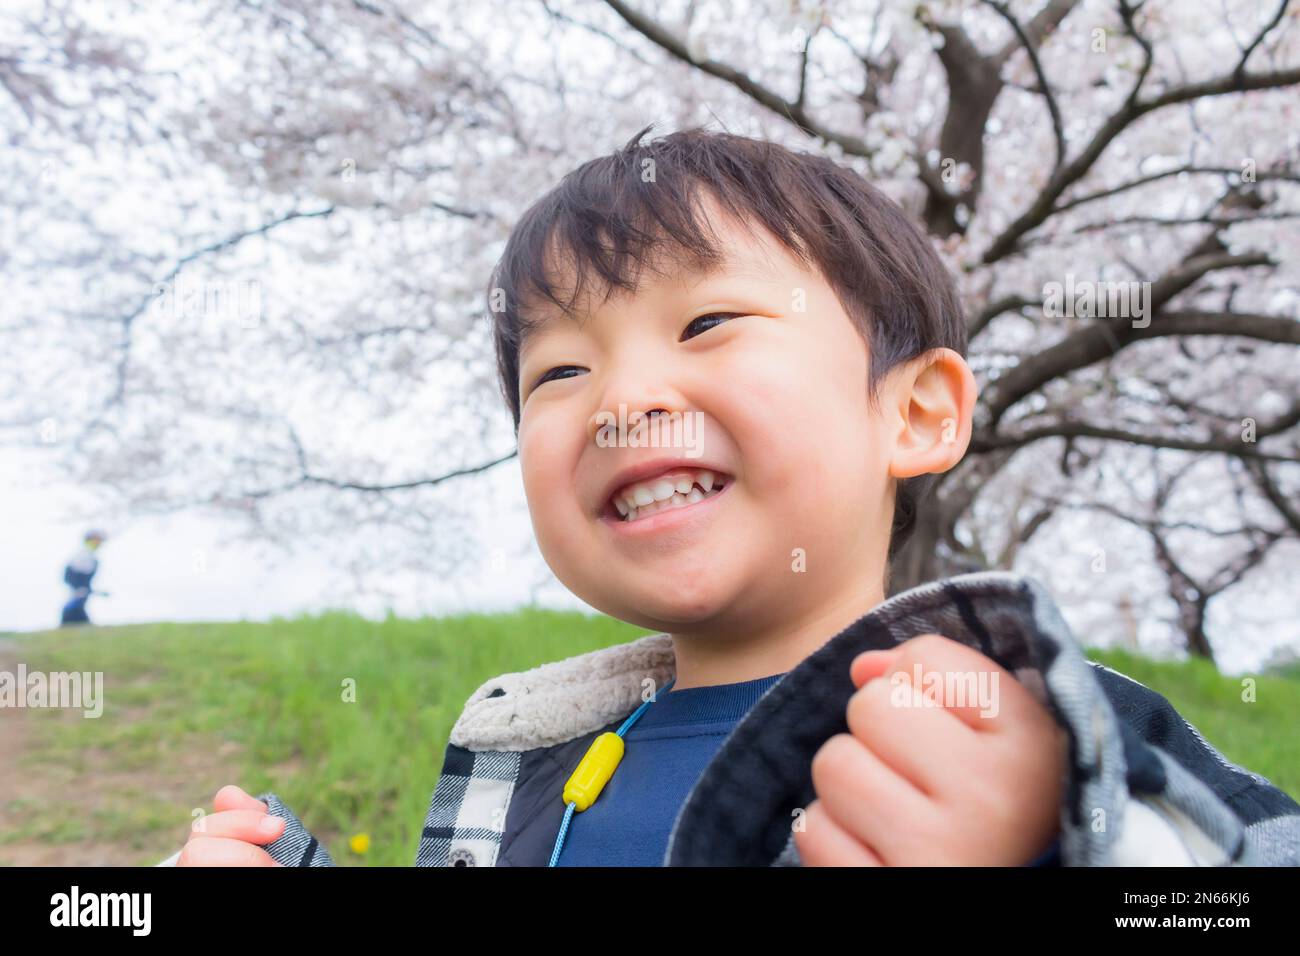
(231, 834)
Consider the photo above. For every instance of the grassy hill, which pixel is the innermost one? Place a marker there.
(192, 707)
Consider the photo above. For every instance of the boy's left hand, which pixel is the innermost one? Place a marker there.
(926, 778)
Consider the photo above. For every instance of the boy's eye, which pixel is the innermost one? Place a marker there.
(697, 326)
(703, 323)
(555, 373)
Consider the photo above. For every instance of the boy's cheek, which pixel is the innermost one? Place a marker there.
(553, 507)
(548, 460)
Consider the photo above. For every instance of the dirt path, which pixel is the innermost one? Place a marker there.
(24, 786)
(86, 798)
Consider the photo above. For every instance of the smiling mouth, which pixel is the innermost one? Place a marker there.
(677, 488)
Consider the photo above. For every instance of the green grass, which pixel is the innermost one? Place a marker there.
(272, 694)
(190, 707)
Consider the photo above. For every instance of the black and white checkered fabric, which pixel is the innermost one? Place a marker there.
(467, 814)
(295, 846)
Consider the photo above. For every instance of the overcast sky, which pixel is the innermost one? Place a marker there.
(183, 567)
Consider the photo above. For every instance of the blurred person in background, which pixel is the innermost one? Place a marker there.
(78, 574)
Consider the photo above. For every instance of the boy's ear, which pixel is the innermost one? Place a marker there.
(934, 398)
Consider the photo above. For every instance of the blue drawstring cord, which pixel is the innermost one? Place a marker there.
(568, 812)
(564, 828)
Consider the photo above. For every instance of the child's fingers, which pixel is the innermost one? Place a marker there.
(867, 797)
(871, 664)
(231, 797)
(217, 851)
(250, 826)
(970, 686)
(823, 842)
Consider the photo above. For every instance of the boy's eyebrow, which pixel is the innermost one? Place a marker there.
(684, 268)
(530, 330)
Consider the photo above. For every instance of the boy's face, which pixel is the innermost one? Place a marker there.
(779, 391)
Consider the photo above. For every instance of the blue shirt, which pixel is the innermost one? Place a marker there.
(665, 752)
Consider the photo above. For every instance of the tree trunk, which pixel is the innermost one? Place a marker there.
(1198, 642)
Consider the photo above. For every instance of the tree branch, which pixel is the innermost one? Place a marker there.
(1100, 339)
(1224, 446)
(128, 320)
(1052, 107)
(307, 478)
(1133, 108)
(1259, 471)
(1039, 27)
(1245, 55)
(1154, 177)
(995, 308)
(794, 111)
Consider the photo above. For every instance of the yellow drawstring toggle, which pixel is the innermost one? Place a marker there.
(593, 773)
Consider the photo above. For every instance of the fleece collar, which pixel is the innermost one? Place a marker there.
(557, 702)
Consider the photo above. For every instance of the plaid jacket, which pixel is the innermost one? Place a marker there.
(1143, 786)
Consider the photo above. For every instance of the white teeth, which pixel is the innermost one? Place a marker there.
(659, 494)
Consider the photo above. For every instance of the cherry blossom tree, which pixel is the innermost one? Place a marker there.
(298, 334)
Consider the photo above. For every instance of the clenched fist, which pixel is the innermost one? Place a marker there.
(949, 762)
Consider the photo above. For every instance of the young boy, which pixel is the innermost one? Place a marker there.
(804, 344)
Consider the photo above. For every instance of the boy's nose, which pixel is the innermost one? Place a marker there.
(618, 419)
